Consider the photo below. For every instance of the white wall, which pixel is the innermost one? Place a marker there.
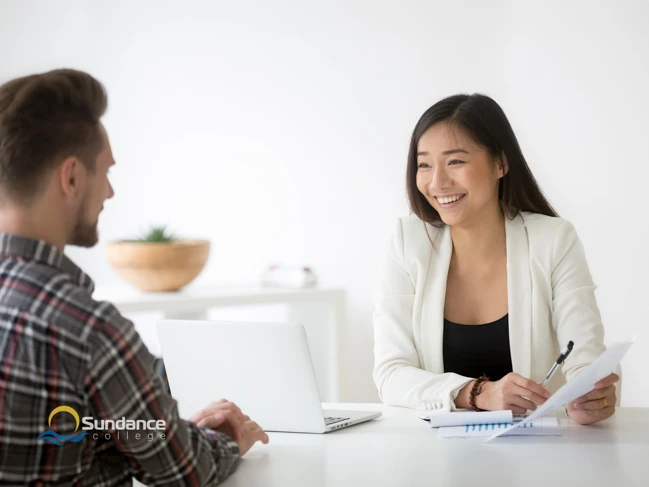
(279, 130)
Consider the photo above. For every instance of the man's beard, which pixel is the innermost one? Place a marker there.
(84, 234)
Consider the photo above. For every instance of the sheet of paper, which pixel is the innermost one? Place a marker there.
(460, 418)
(581, 384)
(547, 426)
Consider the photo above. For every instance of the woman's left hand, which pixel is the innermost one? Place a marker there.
(597, 405)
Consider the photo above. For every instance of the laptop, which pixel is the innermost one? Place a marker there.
(264, 368)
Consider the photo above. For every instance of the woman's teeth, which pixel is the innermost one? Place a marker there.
(449, 199)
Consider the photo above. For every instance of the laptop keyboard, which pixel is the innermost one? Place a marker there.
(333, 419)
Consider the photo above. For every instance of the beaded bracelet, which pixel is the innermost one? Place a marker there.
(475, 390)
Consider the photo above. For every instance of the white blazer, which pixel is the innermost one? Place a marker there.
(551, 301)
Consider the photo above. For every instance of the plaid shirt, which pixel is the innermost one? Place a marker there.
(59, 347)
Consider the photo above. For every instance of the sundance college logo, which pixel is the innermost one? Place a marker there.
(123, 428)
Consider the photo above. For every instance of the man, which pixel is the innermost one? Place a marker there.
(73, 371)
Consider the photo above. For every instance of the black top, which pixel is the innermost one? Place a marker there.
(474, 350)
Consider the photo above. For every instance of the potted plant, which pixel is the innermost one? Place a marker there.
(158, 260)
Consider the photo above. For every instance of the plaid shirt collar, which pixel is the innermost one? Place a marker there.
(29, 249)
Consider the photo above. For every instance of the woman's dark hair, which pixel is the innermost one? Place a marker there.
(481, 119)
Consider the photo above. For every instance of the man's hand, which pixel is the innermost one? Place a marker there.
(597, 405)
(223, 416)
(252, 433)
(226, 417)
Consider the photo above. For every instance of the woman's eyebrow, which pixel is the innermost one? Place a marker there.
(445, 153)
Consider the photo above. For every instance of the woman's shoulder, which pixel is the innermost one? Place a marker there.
(414, 229)
(413, 239)
(547, 228)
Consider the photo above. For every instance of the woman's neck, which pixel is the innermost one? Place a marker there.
(482, 241)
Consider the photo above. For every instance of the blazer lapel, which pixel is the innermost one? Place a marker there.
(433, 301)
(519, 294)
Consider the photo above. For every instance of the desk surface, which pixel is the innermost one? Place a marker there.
(399, 449)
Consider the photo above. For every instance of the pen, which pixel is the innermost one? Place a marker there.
(566, 351)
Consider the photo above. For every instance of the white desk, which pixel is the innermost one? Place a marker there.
(399, 449)
(320, 310)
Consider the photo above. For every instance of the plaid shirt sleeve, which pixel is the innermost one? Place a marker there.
(121, 382)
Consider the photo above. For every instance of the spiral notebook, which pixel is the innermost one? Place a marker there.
(545, 426)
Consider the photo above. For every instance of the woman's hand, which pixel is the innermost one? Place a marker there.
(597, 405)
(513, 392)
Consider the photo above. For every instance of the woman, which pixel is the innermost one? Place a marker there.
(484, 247)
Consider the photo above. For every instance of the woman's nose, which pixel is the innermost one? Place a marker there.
(440, 180)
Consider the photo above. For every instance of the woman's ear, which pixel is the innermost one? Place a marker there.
(503, 165)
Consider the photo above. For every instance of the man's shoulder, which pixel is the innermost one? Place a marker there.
(55, 299)
(101, 328)
(96, 317)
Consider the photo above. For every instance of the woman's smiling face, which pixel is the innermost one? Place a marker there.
(458, 177)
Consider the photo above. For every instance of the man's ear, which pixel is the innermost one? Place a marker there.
(72, 174)
(503, 165)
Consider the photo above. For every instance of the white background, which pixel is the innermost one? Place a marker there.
(279, 130)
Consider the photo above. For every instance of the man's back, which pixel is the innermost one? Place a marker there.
(43, 360)
(63, 353)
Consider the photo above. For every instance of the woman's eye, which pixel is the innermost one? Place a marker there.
(455, 161)
(423, 164)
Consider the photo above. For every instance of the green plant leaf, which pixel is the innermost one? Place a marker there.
(157, 234)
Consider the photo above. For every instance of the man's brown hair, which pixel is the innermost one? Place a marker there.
(44, 119)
